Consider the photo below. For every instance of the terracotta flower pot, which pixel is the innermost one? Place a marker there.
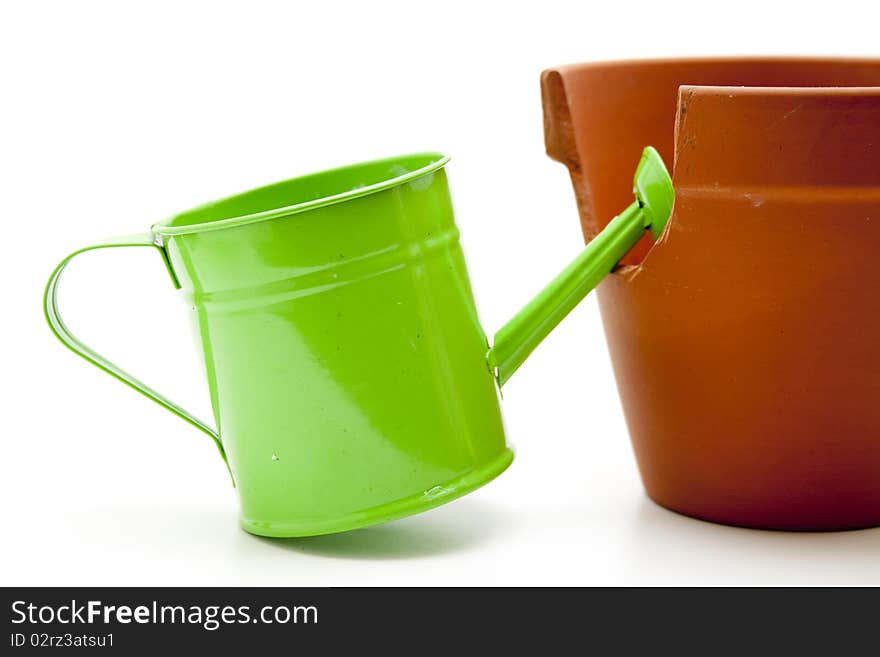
(746, 342)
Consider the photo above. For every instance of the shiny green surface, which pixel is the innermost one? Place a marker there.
(655, 195)
(346, 364)
(342, 347)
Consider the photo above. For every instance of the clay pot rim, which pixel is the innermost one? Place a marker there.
(631, 271)
(556, 73)
(728, 90)
(663, 62)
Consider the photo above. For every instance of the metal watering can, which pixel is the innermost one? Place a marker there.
(351, 382)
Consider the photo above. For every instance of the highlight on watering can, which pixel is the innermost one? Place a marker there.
(351, 382)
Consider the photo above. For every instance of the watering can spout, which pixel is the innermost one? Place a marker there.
(517, 339)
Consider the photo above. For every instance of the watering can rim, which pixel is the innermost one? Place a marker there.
(434, 161)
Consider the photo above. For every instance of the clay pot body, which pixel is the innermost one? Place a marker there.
(746, 341)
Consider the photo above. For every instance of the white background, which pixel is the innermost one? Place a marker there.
(114, 115)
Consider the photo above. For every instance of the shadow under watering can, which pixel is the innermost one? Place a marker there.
(351, 382)
(745, 341)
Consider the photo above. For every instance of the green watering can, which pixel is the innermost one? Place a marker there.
(351, 382)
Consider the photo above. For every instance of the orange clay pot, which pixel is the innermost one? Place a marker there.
(746, 341)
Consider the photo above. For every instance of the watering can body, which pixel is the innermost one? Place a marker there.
(344, 356)
(744, 341)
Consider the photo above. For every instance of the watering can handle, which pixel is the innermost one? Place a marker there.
(59, 328)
